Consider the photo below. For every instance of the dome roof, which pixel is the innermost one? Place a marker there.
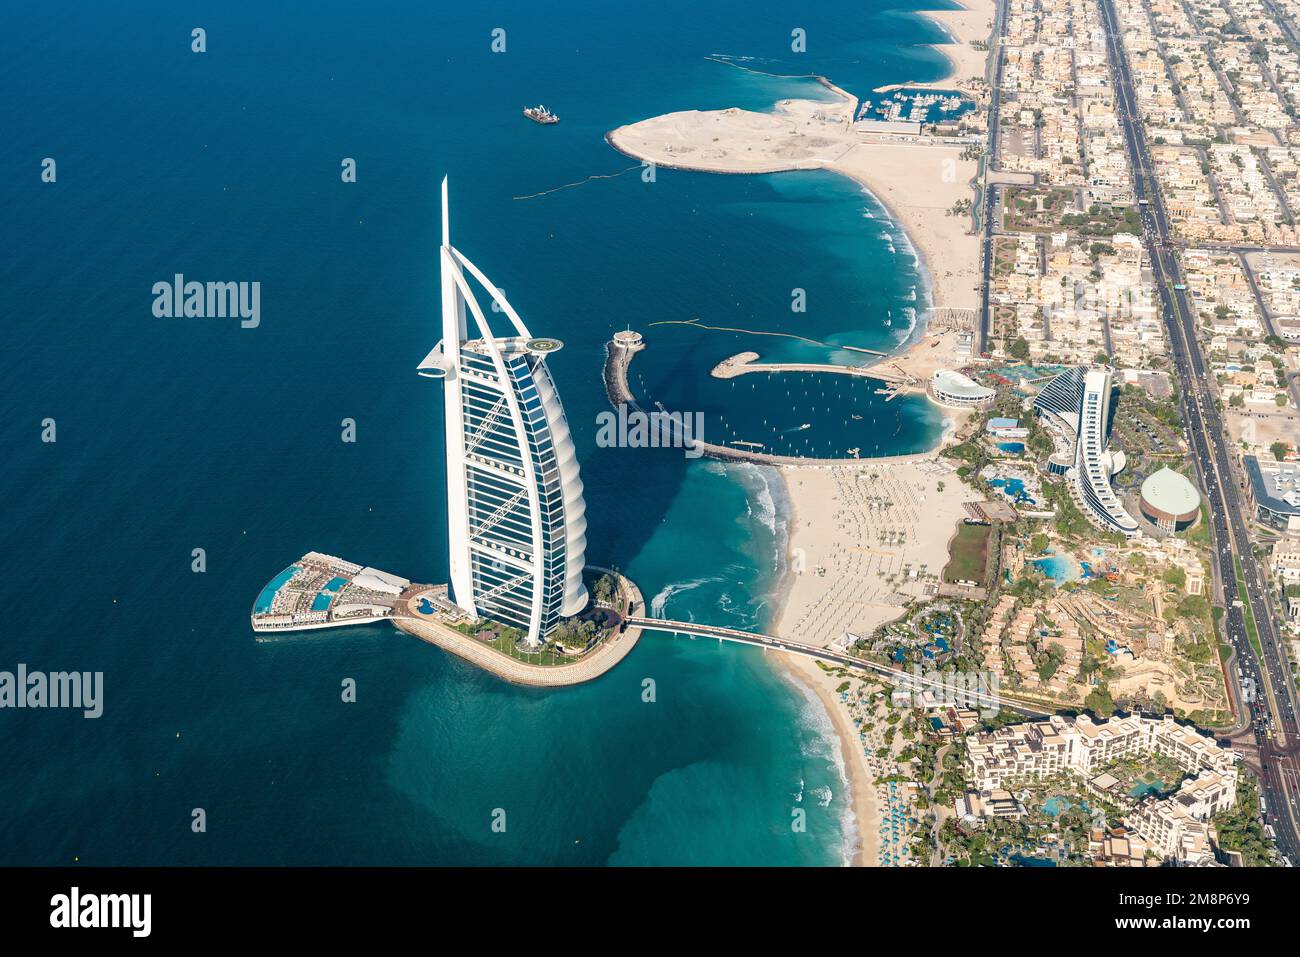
(1170, 492)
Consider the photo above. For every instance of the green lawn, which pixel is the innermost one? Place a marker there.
(969, 551)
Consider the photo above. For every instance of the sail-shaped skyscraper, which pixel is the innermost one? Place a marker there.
(515, 513)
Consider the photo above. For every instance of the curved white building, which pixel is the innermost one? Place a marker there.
(1093, 463)
(1076, 404)
(515, 513)
(951, 388)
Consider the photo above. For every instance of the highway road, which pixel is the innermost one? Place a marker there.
(990, 190)
(1272, 716)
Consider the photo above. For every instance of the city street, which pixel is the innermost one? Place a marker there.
(1272, 728)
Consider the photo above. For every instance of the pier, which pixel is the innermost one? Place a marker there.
(743, 363)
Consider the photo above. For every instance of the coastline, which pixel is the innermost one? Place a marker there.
(888, 173)
(961, 26)
(864, 804)
(861, 829)
(860, 825)
(862, 540)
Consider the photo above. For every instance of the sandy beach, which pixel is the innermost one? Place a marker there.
(973, 22)
(918, 179)
(865, 539)
(839, 580)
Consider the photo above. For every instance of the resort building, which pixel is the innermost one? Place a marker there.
(324, 591)
(997, 803)
(1274, 492)
(1076, 405)
(1061, 399)
(1094, 464)
(1176, 826)
(1169, 501)
(951, 388)
(515, 512)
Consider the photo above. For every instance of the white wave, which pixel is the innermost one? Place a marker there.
(814, 717)
(668, 592)
(909, 317)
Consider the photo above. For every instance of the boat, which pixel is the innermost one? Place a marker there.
(540, 114)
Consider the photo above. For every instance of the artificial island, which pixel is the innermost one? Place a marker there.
(521, 602)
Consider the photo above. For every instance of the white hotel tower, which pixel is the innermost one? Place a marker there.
(515, 515)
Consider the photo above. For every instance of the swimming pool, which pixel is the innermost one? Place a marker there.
(267, 595)
(1058, 804)
(1013, 488)
(1143, 788)
(1059, 568)
(329, 591)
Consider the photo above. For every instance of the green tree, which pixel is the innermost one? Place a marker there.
(1100, 702)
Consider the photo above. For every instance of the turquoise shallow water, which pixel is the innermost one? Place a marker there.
(177, 434)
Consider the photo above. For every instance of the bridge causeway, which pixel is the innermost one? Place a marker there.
(892, 675)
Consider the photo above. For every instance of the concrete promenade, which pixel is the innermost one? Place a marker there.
(744, 362)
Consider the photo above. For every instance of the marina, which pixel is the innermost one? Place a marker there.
(914, 106)
(791, 413)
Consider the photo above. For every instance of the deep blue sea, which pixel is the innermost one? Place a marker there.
(176, 434)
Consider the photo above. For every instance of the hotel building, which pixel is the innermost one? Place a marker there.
(1077, 403)
(515, 513)
(1175, 826)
